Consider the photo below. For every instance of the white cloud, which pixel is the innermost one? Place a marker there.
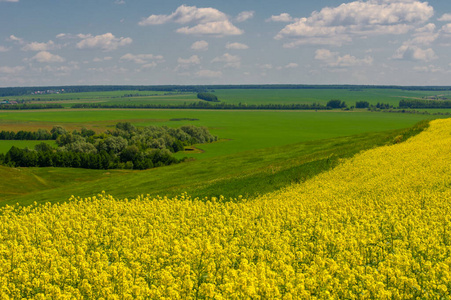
(141, 58)
(336, 40)
(36, 46)
(219, 28)
(237, 46)
(149, 65)
(445, 18)
(98, 59)
(47, 57)
(11, 70)
(200, 46)
(14, 38)
(4, 49)
(9, 0)
(208, 21)
(245, 15)
(291, 66)
(333, 59)
(430, 69)
(119, 2)
(231, 61)
(283, 17)
(208, 73)
(446, 29)
(106, 42)
(265, 66)
(358, 18)
(412, 52)
(193, 60)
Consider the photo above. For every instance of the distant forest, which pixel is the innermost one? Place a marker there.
(18, 91)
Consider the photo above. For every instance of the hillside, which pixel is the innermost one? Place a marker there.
(377, 226)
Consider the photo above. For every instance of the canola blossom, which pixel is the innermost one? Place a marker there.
(378, 226)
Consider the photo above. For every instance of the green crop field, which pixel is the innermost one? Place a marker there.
(238, 130)
(236, 96)
(258, 151)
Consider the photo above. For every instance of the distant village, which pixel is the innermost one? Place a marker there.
(48, 92)
(44, 92)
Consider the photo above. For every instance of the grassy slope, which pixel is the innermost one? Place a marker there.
(249, 173)
(244, 130)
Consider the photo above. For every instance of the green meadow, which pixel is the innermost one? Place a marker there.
(236, 96)
(258, 151)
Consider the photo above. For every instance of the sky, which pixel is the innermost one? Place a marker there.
(147, 42)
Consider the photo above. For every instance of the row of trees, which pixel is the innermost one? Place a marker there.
(29, 106)
(124, 147)
(414, 103)
(42, 156)
(207, 105)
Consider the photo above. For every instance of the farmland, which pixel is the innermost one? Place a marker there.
(295, 143)
(376, 227)
(285, 204)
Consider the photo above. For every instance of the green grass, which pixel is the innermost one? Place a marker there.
(242, 130)
(248, 173)
(322, 96)
(235, 96)
(6, 145)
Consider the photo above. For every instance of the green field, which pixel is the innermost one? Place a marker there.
(6, 145)
(239, 130)
(248, 173)
(258, 151)
(236, 96)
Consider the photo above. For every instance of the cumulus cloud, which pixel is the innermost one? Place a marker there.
(11, 70)
(446, 29)
(413, 52)
(200, 45)
(16, 39)
(36, 46)
(237, 46)
(333, 59)
(231, 61)
(430, 69)
(98, 59)
(445, 18)
(291, 66)
(358, 18)
(9, 0)
(47, 57)
(208, 73)
(283, 17)
(106, 42)
(4, 49)
(193, 60)
(141, 58)
(207, 20)
(244, 16)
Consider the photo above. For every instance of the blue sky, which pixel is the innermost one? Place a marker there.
(66, 42)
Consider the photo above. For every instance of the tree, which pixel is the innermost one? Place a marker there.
(362, 104)
(335, 103)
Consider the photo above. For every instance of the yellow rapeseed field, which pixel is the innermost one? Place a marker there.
(376, 227)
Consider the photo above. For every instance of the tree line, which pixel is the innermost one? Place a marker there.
(207, 105)
(415, 103)
(17, 91)
(125, 147)
(29, 106)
